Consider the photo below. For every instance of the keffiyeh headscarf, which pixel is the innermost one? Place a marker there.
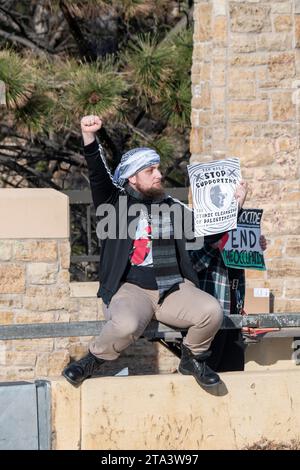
(134, 161)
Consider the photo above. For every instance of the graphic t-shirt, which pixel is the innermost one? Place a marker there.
(140, 267)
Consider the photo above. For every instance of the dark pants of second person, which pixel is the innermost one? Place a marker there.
(228, 347)
(227, 351)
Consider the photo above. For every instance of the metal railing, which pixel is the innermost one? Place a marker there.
(288, 324)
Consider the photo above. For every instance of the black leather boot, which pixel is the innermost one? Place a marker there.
(196, 366)
(78, 371)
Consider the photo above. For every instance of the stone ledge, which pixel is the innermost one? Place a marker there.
(173, 412)
(33, 213)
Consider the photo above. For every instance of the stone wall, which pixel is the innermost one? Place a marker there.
(172, 412)
(35, 288)
(34, 277)
(246, 102)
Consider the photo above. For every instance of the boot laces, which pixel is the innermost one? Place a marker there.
(200, 366)
(88, 364)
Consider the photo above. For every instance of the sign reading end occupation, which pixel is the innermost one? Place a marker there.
(213, 186)
(242, 249)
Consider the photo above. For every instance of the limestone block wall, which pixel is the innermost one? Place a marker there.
(246, 101)
(34, 277)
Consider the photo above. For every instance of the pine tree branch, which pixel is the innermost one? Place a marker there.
(83, 45)
(139, 132)
(183, 23)
(29, 173)
(14, 38)
(58, 34)
(13, 22)
(28, 154)
(4, 180)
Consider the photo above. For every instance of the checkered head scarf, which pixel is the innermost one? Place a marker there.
(134, 161)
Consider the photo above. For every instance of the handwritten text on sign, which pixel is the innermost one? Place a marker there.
(242, 249)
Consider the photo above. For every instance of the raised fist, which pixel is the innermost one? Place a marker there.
(90, 124)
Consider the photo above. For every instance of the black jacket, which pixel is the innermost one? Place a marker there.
(114, 255)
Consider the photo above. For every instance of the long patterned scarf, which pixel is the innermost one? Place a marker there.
(165, 263)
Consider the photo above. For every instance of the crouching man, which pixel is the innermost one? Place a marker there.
(145, 273)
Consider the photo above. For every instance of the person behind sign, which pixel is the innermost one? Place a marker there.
(141, 275)
(228, 286)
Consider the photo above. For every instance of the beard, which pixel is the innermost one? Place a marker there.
(152, 193)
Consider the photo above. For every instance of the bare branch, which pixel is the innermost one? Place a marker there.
(29, 173)
(14, 38)
(5, 16)
(58, 34)
(142, 134)
(182, 24)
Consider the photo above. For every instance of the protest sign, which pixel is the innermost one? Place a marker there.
(213, 186)
(242, 249)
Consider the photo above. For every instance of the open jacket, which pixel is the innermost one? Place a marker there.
(115, 251)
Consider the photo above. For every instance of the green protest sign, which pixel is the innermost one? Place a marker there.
(242, 249)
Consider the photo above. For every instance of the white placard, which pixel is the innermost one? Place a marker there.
(213, 187)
